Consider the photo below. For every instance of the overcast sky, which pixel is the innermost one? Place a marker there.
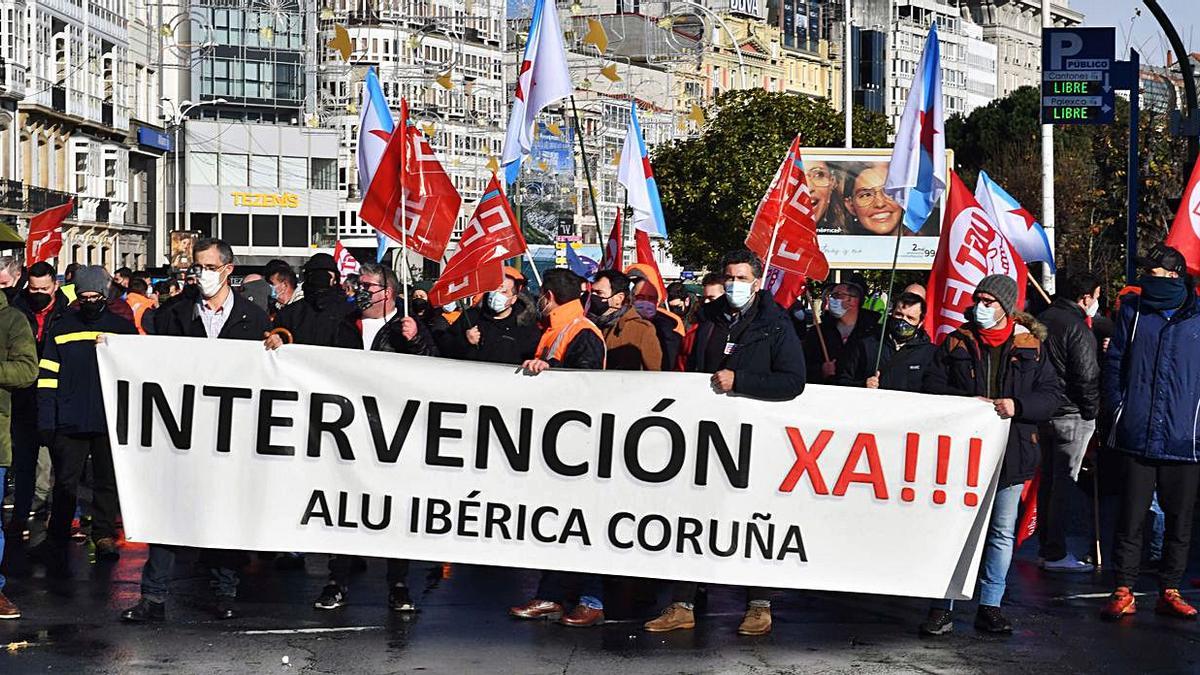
(1142, 32)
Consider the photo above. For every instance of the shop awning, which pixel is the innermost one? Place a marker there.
(8, 234)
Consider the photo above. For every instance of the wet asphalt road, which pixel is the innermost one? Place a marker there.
(70, 625)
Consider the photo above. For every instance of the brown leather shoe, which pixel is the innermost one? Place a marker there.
(583, 616)
(106, 550)
(537, 609)
(7, 609)
(757, 621)
(674, 617)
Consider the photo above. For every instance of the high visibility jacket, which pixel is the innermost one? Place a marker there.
(139, 304)
(572, 340)
(69, 398)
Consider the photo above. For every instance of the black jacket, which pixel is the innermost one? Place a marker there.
(390, 338)
(1028, 378)
(766, 357)
(69, 400)
(181, 318)
(1071, 346)
(513, 339)
(867, 326)
(901, 369)
(324, 318)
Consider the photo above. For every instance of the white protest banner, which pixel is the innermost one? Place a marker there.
(222, 444)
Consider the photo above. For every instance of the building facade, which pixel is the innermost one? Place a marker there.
(1015, 28)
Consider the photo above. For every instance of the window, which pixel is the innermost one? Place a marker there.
(293, 172)
(234, 169)
(110, 177)
(204, 223)
(81, 168)
(266, 230)
(202, 168)
(324, 174)
(295, 231)
(235, 229)
(264, 172)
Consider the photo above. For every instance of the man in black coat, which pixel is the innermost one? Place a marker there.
(1071, 346)
(501, 329)
(1000, 356)
(219, 313)
(323, 317)
(906, 357)
(844, 324)
(747, 343)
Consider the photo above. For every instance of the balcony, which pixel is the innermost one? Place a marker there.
(12, 195)
(39, 199)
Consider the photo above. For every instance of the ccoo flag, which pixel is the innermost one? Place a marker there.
(638, 178)
(542, 81)
(917, 173)
(1184, 235)
(1015, 223)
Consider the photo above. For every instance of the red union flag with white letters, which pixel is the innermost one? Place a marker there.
(491, 236)
(785, 216)
(1185, 231)
(970, 249)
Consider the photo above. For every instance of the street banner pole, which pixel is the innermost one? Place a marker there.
(1131, 238)
(1047, 174)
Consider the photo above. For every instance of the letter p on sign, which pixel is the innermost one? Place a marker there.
(1063, 46)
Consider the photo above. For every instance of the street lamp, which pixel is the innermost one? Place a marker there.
(178, 113)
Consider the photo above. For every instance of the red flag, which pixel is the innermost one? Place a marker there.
(45, 233)
(491, 236)
(1027, 523)
(785, 216)
(1185, 231)
(645, 256)
(410, 172)
(346, 263)
(970, 249)
(612, 252)
(784, 286)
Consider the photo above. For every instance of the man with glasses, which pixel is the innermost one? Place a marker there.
(997, 355)
(906, 356)
(844, 325)
(218, 313)
(501, 329)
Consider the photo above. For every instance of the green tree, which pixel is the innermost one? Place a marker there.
(711, 185)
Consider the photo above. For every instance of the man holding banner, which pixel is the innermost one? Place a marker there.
(997, 355)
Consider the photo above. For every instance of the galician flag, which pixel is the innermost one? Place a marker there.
(1014, 222)
(375, 126)
(542, 81)
(917, 173)
(638, 178)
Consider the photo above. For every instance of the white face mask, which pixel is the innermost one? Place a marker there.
(210, 283)
(836, 308)
(449, 307)
(497, 302)
(739, 293)
(985, 316)
(1092, 309)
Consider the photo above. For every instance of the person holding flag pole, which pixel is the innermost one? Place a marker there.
(916, 175)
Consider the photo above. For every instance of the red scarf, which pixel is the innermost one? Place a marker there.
(994, 337)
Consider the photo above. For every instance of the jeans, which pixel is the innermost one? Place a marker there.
(1067, 439)
(3, 475)
(1158, 529)
(69, 455)
(160, 562)
(25, 450)
(997, 548)
(1176, 483)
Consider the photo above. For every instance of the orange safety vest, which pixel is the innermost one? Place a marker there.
(139, 304)
(566, 321)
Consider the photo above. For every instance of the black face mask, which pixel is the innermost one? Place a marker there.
(91, 309)
(418, 308)
(38, 301)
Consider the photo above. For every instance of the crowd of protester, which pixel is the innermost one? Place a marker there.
(1078, 376)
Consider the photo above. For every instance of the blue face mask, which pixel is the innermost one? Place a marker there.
(739, 293)
(836, 308)
(985, 316)
(1159, 293)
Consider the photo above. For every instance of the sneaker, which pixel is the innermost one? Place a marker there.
(106, 550)
(674, 617)
(757, 621)
(7, 609)
(399, 600)
(990, 620)
(1120, 603)
(1171, 603)
(537, 609)
(1068, 563)
(145, 610)
(332, 597)
(937, 622)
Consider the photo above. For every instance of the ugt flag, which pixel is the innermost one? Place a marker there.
(542, 81)
(1185, 230)
(375, 126)
(784, 220)
(917, 173)
(638, 178)
(971, 248)
(491, 236)
(45, 233)
(1017, 224)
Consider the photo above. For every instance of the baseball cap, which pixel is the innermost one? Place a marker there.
(1161, 255)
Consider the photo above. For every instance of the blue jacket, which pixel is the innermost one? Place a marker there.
(69, 399)
(1152, 382)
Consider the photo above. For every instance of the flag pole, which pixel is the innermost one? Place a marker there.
(587, 171)
(786, 178)
(891, 285)
(403, 211)
(533, 267)
(1039, 288)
